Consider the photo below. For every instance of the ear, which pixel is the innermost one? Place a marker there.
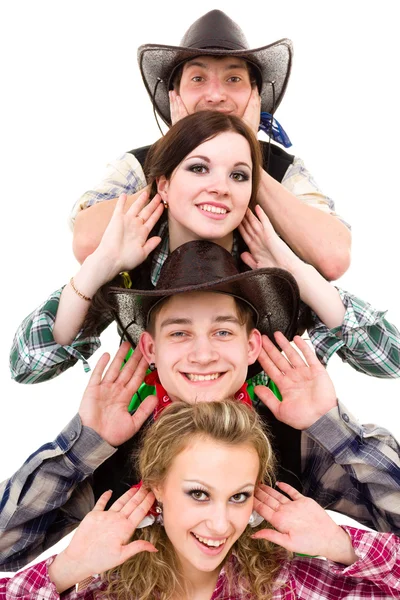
(162, 187)
(254, 346)
(157, 491)
(147, 347)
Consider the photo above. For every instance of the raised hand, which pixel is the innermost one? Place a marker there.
(266, 248)
(124, 244)
(301, 525)
(177, 108)
(101, 541)
(306, 388)
(104, 406)
(253, 110)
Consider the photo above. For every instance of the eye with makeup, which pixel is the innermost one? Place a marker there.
(198, 168)
(200, 495)
(239, 176)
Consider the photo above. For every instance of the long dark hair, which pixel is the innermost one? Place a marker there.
(187, 134)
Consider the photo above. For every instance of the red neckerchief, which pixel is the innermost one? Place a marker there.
(164, 400)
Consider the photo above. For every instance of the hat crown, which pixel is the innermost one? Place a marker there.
(215, 30)
(196, 263)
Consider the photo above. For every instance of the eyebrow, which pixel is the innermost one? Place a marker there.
(183, 321)
(198, 63)
(207, 160)
(211, 488)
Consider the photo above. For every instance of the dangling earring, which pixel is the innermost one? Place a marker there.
(166, 205)
(255, 519)
(152, 366)
(159, 511)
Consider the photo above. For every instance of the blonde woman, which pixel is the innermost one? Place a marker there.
(200, 542)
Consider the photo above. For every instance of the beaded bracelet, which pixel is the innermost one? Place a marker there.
(78, 292)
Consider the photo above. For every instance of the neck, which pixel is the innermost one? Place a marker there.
(199, 585)
(178, 235)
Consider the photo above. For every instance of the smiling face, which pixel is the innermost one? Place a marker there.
(209, 83)
(200, 346)
(204, 513)
(209, 192)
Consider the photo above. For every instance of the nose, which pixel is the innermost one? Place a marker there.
(215, 92)
(202, 352)
(218, 521)
(219, 185)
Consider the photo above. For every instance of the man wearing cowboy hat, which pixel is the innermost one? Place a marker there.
(214, 69)
(204, 344)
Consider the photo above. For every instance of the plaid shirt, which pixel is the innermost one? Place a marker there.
(346, 467)
(365, 340)
(376, 574)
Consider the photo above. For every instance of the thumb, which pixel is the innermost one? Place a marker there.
(269, 399)
(271, 535)
(135, 547)
(248, 260)
(144, 411)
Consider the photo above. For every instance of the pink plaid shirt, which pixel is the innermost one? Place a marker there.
(375, 575)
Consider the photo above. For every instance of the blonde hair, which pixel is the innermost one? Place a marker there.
(157, 575)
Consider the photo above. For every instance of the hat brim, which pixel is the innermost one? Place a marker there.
(272, 293)
(158, 62)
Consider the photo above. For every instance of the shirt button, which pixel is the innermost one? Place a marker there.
(345, 418)
(72, 435)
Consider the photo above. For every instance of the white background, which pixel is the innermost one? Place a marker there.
(72, 99)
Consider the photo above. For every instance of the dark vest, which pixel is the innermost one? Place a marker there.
(118, 472)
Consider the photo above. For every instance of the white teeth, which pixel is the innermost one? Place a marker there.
(213, 209)
(195, 377)
(207, 542)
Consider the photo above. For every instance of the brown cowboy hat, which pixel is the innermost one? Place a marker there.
(203, 266)
(215, 34)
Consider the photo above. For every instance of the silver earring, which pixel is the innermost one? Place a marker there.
(152, 366)
(255, 519)
(159, 511)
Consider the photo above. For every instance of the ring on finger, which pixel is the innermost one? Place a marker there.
(141, 218)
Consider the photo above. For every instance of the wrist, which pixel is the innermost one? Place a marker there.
(97, 270)
(65, 573)
(341, 548)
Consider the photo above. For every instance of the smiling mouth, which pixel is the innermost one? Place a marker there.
(198, 377)
(209, 542)
(218, 210)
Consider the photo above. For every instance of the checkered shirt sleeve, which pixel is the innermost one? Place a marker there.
(36, 357)
(353, 469)
(365, 340)
(299, 181)
(49, 495)
(124, 175)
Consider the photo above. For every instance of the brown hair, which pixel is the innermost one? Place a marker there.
(188, 133)
(158, 575)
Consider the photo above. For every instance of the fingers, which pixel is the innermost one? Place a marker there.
(124, 499)
(138, 204)
(177, 108)
(270, 497)
(268, 363)
(289, 490)
(277, 358)
(97, 374)
(115, 367)
(143, 412)
(151, 244)
(102, 501)
(305, 349)
(292, 354)
(273, 493)
(132, 373)
(248, 259)
(271, 535)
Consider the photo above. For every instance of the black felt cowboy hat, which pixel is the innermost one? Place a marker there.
(215, 34)
(203, 266)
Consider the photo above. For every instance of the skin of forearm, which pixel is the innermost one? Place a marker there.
(341, 549)
(65, 574)
(319, 294)
(91, 223)
(73, 309)
(318, 238)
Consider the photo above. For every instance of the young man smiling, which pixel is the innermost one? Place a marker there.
(203, 349)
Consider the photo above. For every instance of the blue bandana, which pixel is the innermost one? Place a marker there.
(276, 131)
